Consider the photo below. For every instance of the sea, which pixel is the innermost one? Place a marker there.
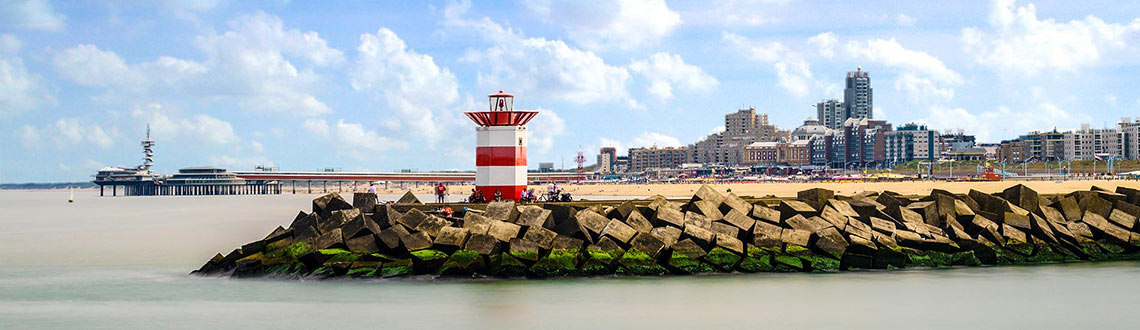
(124, 263)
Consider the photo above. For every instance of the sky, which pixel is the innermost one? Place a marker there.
(381, 86)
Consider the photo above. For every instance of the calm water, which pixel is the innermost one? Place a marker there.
(122, 263)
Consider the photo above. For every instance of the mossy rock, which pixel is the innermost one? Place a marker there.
(602, 256)
(636, 262)
(505, 265)
(885, 258)
(428, 261)
(857, 261)
(820, 263)
(787, 263)
(339, 255)
(283, 248)
(1048, 254)
(1093, 250)
(1007, 257)
(723, 260)
(362, 272)
(966, 258)
(559, 262)
(463, 263)
(796, 250)
(1024, 249)
(593, 267)
(1111, 249)
(399, 267)
(323, 272)
(756, 263)
(683, 264)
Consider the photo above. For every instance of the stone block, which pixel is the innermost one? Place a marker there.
(669, 216)
(1104, 228)
(337, 219)
(815, 196)
(591, 224)
(523, 249)
(831, 241)
(707, 193)
(502, 211)
(638, 222)
(330, 202)
(622, 211)
(1069, 207)
(739, 219)
(701, 236)
(412, 218)
(812, 224)
(452, 236)
(432, 225)
(409, 198)
(1022, 196)
(709, 209)
(724, 229)
(360, 226)
(697, 219)
(689, 248)
(541, 236)
(1016, 220)
(857, 228)
(721, 258)
(482, 244)
(476, 223)
(1124, 220)
(795, 236)
(734, 202)
(1128, 208)
(844, 208)
(927, 210)
(533, 216)
(730, 243)
(463, 263)
(388, 239)
(365, 202)
(667, 234)
(1097, 205)
(417, 241)
(567, 243)
(859, 245)
(331, 239)
(503, 231)
(962, 209)
(1013, 235)
(765, 213)
(618, 231)
(833, 217)
(882, 225)
(647, 243)
(366, 243)
(789, 208)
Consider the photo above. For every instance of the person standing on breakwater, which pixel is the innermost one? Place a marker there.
(440, 192)
(371, 188)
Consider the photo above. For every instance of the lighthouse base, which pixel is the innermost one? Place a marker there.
(508, 192)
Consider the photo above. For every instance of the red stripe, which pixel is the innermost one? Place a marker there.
(509, 192)
(500, 156)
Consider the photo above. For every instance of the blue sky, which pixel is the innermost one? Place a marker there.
(361, 85)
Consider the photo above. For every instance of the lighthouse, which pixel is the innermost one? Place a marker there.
(500, 155)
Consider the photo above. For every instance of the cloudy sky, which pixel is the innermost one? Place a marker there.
(356, 85)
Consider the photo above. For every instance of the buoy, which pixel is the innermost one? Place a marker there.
(71, 198)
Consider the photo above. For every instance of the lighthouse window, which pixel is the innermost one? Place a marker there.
(520, 142)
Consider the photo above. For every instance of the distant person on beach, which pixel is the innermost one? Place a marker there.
(371, 188)
(440, 192)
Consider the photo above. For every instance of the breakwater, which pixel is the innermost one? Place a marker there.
(708, 233)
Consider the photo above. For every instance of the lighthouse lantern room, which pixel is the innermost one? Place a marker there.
(500, 155)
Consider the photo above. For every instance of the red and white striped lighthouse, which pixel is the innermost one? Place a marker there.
(500, 158)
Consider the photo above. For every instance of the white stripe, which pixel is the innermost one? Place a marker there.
(500, 175)
(501, 136)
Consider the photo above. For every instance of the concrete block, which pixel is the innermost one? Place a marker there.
(618, 231)
(765, 213)
(330, 202)
(502, 211)
(523, 249)
(366, 243)
(648, 244)
(503, 231)
(795, 236)
(668, 234)
(789, 208)
(365, 202)
(452, 237)
(476, 223)
(432, 225)
(482, 244)
(412, 218)
(534, 216)
(409, 198)
(541, 236)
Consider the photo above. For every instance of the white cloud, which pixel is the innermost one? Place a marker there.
(717, 129)
(232, 162)
(921, 76)
(543, 131)
(826, 42)
(1021, 43)
(610, 24)
(254, 64)
(540, 67)
(1005, 123)
(20, 90)
(31, 14)
(66, 133)
(904, 20)
(665, 71)
(169, 125)
(256, 146)
(649, 139)
(734, 13)
(417, 89)
(793, 72)
(352, 139)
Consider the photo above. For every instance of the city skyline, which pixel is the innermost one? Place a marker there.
(304, 86)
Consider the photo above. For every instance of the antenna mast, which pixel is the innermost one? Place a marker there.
(148, 153)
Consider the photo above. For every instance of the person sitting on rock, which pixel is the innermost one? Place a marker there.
(498, 195)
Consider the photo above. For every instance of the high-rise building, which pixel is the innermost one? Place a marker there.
(607, 156)
(857, 95)
(641, 159)
(1088, 143)
(1129, 138)
(741, 128)
(831, 113)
